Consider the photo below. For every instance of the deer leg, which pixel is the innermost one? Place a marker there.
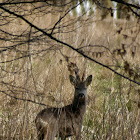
(78, 136)
(63, 138)
(50, 132)
(40, 134)
(49, 136)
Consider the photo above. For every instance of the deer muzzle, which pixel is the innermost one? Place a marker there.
(81, 95)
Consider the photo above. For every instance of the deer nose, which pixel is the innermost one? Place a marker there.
(81, 95)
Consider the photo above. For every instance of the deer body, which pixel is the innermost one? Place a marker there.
(66, 121)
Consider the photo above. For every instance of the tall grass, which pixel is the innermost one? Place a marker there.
(112, 111)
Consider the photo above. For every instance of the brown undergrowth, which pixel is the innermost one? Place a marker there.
(113, 102)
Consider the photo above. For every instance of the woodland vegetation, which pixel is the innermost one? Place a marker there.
(40, 38)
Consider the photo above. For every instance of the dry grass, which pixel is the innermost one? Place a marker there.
(112, 111)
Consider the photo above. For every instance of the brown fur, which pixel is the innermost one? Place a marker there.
(66, 121)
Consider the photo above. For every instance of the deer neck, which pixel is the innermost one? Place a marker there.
(78, 103)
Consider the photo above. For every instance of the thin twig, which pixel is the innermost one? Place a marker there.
(22, 99)
(68, 45)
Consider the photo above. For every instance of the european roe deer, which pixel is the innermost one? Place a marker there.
(66, 121)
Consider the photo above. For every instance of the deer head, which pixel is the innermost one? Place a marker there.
(80, 89)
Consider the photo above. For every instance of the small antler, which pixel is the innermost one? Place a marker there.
(73, 69)
(84, 73)
(76, 70)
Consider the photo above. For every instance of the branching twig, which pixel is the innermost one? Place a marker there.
(68, 45)
(64, 16)
(22, 99)
(129, 5)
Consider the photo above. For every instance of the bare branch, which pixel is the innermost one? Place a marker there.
(22, 99)
(59, 41)
(127, 4)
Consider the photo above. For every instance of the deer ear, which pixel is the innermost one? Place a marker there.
(72, 80)
(88, 80)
